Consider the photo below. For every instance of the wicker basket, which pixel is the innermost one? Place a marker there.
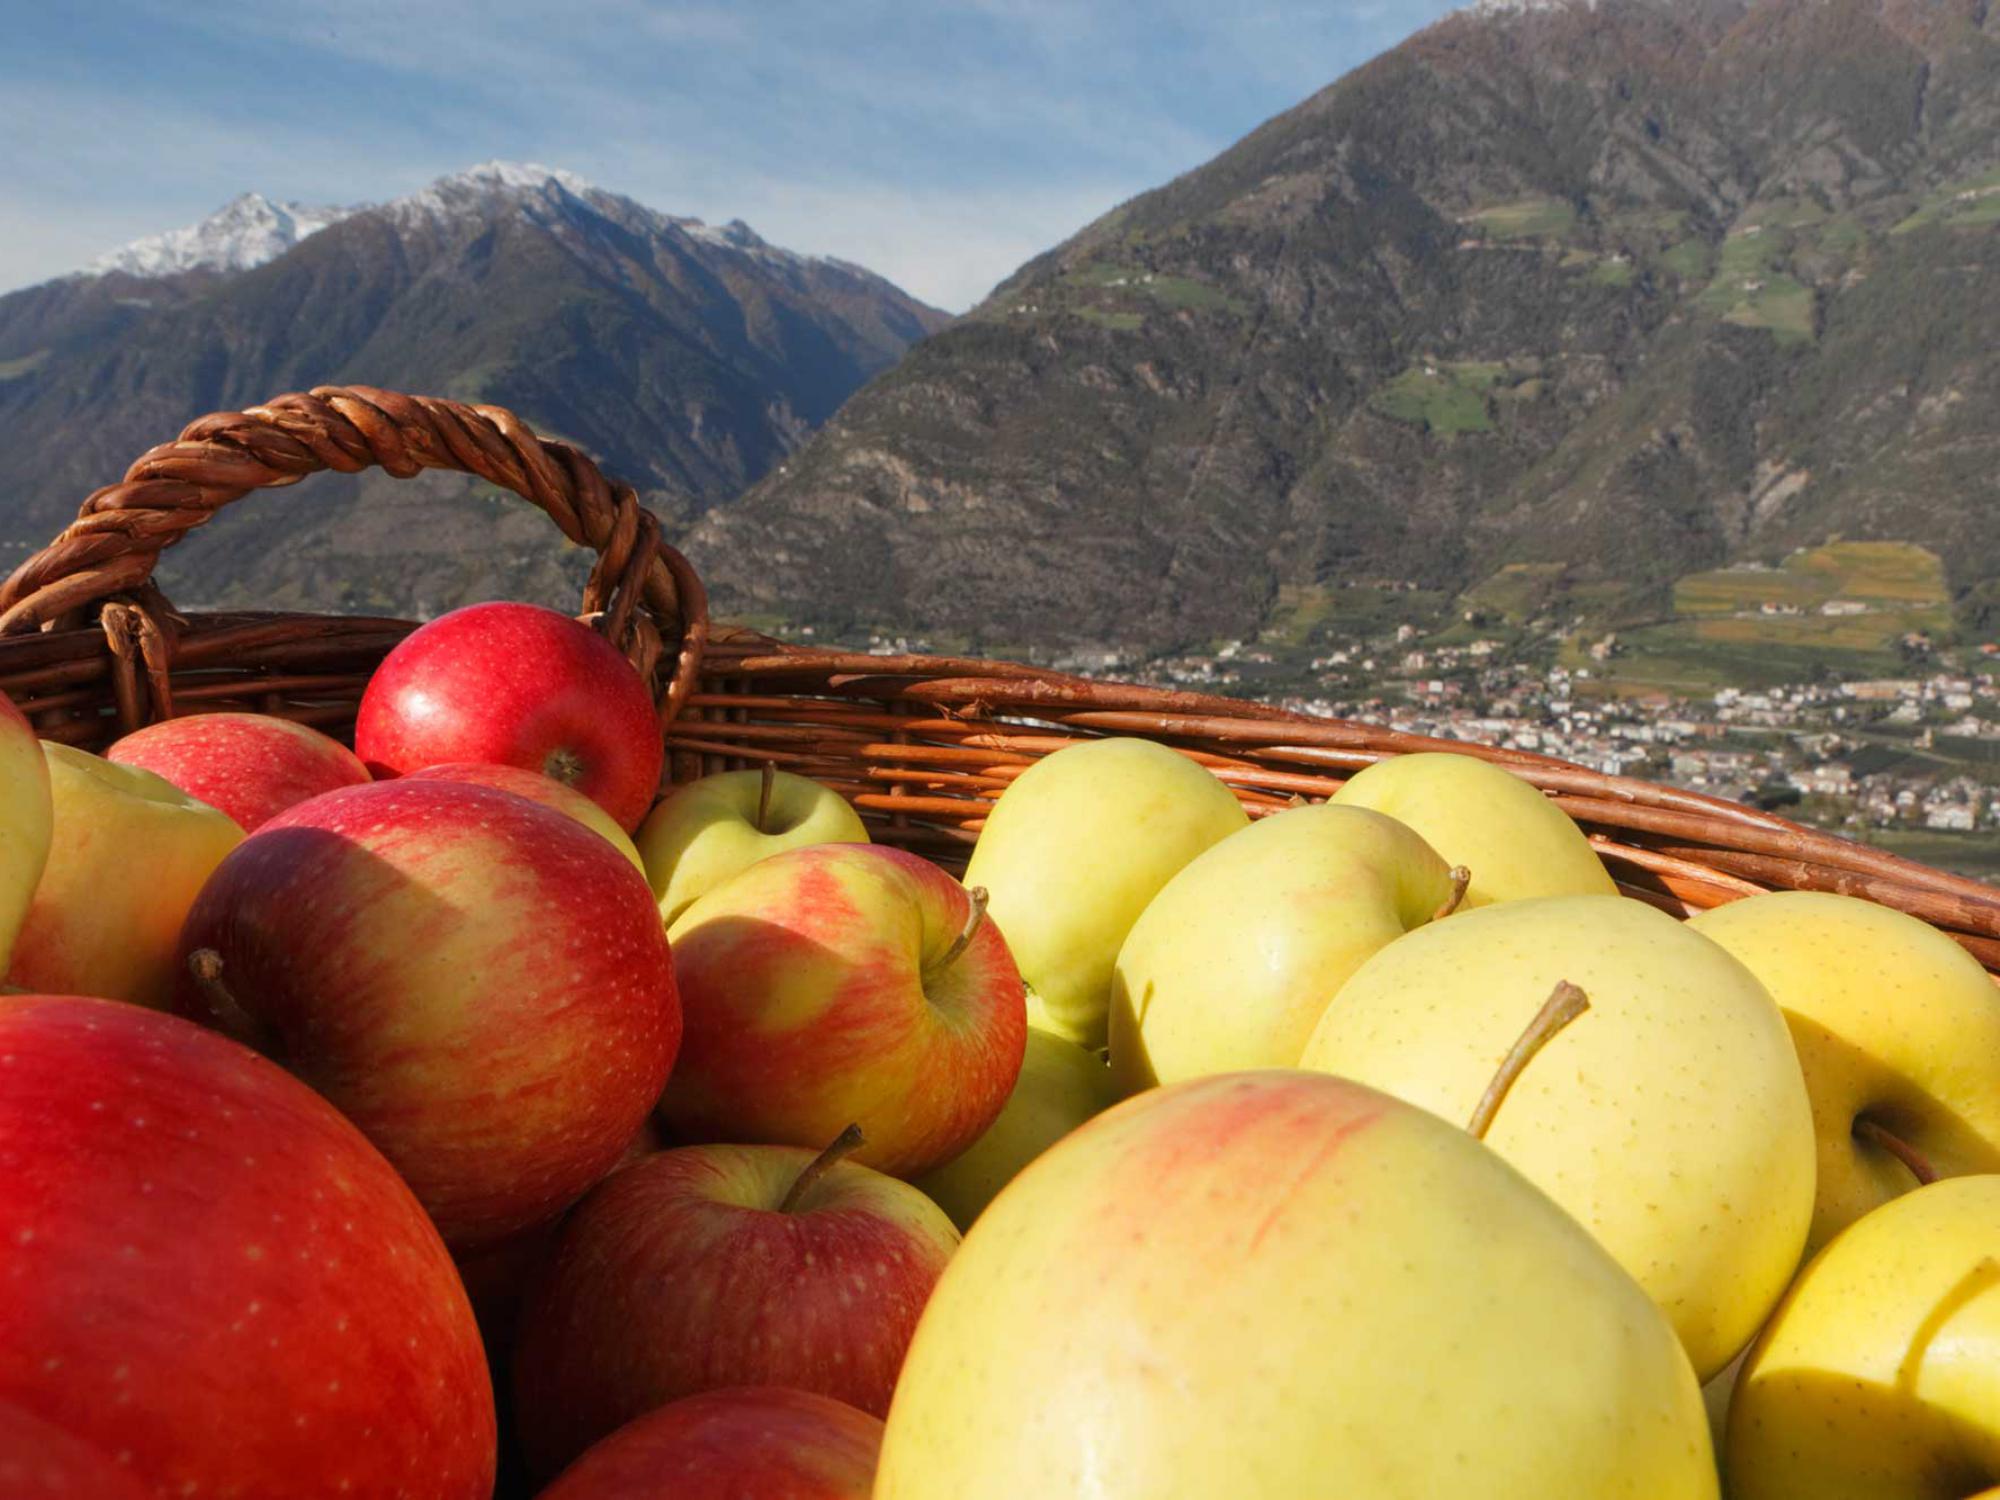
(920, 744)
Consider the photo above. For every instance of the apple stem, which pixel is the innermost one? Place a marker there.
(847, 1141)
(964, 939)
(205, 964)
(764, 794)
(1565, 1003)
(1875, 1133)
(1461, 877)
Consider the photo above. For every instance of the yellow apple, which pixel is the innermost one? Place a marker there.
(1073, 851)
(1897, 1030)
(1232, 963)
(26, 813)
(536, 787)
(1670, 1118)
(709, 830)
(130, 852)
(1514, 841)
(1274, 1285)
(1060, 1087)
(1879, 1377)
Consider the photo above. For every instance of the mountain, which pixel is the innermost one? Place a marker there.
(689, 358)
(1583, 296)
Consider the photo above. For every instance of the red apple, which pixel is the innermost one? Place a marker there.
(714, 1266)
(250, 766)
(844, 982)
(211, 1278)
(518, 685)
(754, 1441)
(41, 1462)
(478, 982)
(537, 788)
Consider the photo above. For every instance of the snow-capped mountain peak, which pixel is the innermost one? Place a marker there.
(246, 232)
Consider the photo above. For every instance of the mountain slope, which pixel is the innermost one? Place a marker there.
(689, 359)
(1623, 290)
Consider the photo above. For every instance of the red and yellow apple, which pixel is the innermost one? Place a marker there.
(537, 788)
(715, 1266)
(519, 685)
(479, 982)
(250, 766)
(765, 1442)
(129, 853)
(838, 983)
(210, 1277)
(27, 814)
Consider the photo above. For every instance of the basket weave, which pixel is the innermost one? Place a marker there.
(90, 649)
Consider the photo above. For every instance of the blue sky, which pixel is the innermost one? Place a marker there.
(939, 143)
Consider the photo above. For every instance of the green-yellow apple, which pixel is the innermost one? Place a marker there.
(715, 1266)
(1060, 1087)
(129, 853)
(1897, 1030)
(537, 788)
(1879, 1376)
(1073, 851)
(1232, 963)
(838, 983)
(760, 1442)
(27, 814)
(478, 982)
(250, 766)
(1513, 840)
(708, 830)
(1670, 1118)
(1277, 1284)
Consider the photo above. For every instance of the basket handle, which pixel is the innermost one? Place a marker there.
(642, 594)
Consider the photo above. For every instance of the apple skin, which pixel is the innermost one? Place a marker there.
(1277, 1284)
(705, 832)
(538, 788)
(1060, 1087)
(1671, 1118)
(41, 1462)
(1514, 841)
(27, 818)
(1893, 1021)
(809, 1006)
(1877, 1379)
(680, 1274)
(1074, 850)
(250, 766)
(210, 1276)
(748, 1443)
(1231, 964)
(478, 982)
(518, 685)
(129, 853)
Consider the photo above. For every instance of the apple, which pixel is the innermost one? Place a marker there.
(27, 815)
(250, 766)
(518, 685)
(1513, 841)
(129, 853)
(715, 1266)
(41, 1462)
(749, 1443)
(1232, 963)
(1898, 1032)
(1073, 851)
(1060, 1087)
(1876, 1378)
(479, 982)
(837, 983)
(1277, 1284)
(538, 788)
(210, 1277)
(1670, 1118)
(708, 830)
